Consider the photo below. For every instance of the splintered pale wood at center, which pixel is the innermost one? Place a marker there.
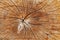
(29, 19)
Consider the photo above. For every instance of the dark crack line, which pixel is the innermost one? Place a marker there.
(33, 12)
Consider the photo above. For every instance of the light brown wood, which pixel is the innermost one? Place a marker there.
(44, 20)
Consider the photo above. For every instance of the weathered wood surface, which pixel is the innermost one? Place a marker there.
(44, 19)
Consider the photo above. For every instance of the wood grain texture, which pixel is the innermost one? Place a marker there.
(44, 19)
